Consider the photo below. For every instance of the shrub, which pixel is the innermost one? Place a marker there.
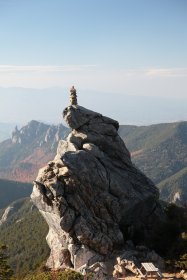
(5, 270)
(65, 275)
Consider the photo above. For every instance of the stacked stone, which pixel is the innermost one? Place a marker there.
(73, 96)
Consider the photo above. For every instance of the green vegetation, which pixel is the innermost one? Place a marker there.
(182, 262)
(65, 275)
(139, 137)
(25, 233)
(168, 237)
(175, 187)
(172, 238)
(160, 151)
(5, 270)
(11, 191)
(177, 258)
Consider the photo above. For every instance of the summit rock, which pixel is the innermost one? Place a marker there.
(92, 196)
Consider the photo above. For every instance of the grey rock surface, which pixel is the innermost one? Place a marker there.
(92, 196)
(8, 211)
(44, 133)
(132, 257)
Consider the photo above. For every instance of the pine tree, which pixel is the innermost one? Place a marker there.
(5, 270)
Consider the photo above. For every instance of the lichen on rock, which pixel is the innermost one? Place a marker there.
(91, 195)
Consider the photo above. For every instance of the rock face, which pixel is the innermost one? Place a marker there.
(92, 196)
(8, 211)
(37, 130)
(29, 149)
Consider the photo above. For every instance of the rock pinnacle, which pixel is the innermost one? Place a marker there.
(92, 196)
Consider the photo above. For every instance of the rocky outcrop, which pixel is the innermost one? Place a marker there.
(29, 149)
(39, 131)
(92, 196)
(8, 211)
(132, 257)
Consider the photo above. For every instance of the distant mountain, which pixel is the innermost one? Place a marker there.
(24, 231)
(10, 191)
(160, 151)
(174, 188)
(29, 149)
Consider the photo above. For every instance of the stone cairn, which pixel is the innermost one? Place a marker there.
(73, 96)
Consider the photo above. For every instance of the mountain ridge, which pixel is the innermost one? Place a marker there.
(28, 149)
(174, 188)
(159, 150)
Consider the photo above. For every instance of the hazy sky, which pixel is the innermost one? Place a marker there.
(126, 47)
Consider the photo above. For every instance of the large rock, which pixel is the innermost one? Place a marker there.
(40, 132)
(131, 258)
(91, 195)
